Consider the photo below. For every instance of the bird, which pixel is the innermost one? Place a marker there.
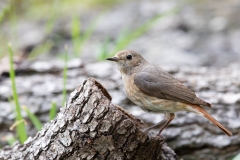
(157, 91)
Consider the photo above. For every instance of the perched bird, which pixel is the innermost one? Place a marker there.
(155, 90)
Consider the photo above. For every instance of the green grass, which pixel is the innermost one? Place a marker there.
(78, 38)
(75, 32)
(40, 9)
(53, 111)
(56, 9)
(21, 129)
(11, 139)
(104, 50)
(49, 12)
(4, 10)
(52, 17)
(34, 119)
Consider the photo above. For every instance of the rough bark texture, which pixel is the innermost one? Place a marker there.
(90, 127)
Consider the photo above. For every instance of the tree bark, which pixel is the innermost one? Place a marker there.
(91, 127)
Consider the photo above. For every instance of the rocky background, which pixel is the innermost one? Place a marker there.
(198, 44)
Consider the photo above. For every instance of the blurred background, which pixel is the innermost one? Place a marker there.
(186, 32)
(57, 44)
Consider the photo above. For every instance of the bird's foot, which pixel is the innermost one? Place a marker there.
(146, 131)
(162, 137)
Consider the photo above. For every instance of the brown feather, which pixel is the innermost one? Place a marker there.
(213, 120)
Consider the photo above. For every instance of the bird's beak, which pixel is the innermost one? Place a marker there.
(115, 59)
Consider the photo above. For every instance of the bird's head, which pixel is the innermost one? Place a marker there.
(128, 61)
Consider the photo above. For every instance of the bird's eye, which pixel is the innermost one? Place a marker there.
(129, 57)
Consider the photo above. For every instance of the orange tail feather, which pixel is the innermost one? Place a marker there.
(213, 120)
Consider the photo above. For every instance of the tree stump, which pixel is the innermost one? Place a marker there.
(91, 127)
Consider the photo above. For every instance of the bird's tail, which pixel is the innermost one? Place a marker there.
(201, 111)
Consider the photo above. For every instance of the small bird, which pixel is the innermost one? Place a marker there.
(155, 90)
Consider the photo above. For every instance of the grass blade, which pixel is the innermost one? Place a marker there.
(89, 31)
(11, 139)
(4, 9)
(21, 129)
(52, 17)
(78, 39)
(34, 119)
(104, 49)
(75, 32)
(53, 111)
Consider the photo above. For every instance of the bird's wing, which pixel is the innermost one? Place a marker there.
(163, 85)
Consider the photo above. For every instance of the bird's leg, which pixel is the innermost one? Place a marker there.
(168, 117)
(161, 123)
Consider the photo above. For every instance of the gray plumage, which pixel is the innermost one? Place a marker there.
(155, 82)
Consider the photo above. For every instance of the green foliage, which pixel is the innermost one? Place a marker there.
(15, 10)
(52, 17)
(11, 139)
(21, 129)
(53, 111)
(104, 49)
(102, 2)
(34, 119)
(89, 31)
(4, 10)
(79, 39)
(75, 32)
